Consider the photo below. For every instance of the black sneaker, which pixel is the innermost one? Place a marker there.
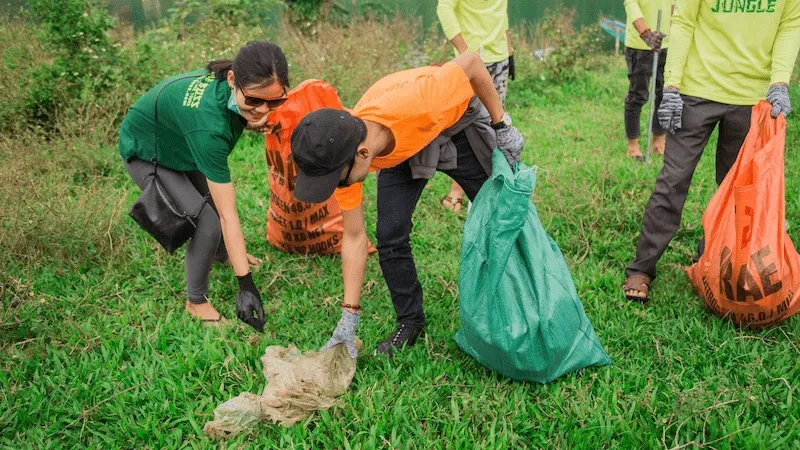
(403, 336)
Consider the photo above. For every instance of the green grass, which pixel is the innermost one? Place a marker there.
(96, 351)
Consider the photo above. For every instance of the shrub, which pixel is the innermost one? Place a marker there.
(86, 61)
(305, 11)
(555, 61)
(569, 51)
(21, 54)
(352, 58)
(229, 12)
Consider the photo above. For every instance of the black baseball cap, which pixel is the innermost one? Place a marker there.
(323, 144)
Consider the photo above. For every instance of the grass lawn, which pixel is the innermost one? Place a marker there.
(96, 351)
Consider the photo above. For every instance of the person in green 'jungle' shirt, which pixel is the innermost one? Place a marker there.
(644, 35)
(725, 56)
(480, 26)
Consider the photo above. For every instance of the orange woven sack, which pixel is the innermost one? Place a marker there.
(294, 226)
(750, 270)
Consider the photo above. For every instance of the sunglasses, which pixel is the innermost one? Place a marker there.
(255, 102)
(343, 183)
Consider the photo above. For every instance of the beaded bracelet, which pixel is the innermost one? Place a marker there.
(349, 306)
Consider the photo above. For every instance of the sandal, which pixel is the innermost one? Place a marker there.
(636, 156)
(214, 322)
(638, 282)
(207, 322)
(455, 203)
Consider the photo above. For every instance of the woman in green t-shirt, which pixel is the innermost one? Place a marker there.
(201, 116)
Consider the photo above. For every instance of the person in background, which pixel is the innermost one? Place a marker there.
(641, 41)
(400, 126)
(480, 26)
(725, 57)
(201, 116)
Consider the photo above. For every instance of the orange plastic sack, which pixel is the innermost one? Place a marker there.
(750, 270)
(294, 226)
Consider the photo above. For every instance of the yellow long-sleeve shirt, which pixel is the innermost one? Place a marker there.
(731, 51)
(482, 24)
(647, 10)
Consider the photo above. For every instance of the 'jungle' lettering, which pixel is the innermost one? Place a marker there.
(744, 6)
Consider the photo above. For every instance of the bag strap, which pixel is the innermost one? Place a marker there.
(155, 118)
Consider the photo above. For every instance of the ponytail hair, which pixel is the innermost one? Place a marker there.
(220, 68)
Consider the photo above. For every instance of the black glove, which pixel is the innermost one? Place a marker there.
(512, 73)
(248, 302)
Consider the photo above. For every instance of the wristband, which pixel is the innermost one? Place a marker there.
(355, 308)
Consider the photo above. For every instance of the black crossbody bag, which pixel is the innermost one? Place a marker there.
(155, 211)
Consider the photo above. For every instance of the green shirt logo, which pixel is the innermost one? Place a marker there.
(196, 90)
(744, 6)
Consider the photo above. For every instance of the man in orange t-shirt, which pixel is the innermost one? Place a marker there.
(395, 119)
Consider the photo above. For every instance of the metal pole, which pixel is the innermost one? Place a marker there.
(653, 94)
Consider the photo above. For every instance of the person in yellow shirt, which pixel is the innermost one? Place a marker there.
(642, 39)
(725, 55)
(480, 26)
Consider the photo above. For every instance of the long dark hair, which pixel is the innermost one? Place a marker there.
(258, 63)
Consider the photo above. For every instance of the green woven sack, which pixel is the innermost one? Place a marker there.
(520, 312)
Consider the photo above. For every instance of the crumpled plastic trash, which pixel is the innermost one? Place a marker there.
(297, 386)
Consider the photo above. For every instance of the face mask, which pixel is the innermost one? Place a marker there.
(232, 103)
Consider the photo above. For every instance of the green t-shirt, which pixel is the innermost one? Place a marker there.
(196, 130)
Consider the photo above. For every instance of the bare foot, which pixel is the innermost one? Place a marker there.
(634, 151)
(206, 312)
(659, 144)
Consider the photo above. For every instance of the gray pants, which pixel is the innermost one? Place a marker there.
(499, 74)
(662, 216)
(188, 189)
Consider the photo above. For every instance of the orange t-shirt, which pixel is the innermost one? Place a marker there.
(416, 105)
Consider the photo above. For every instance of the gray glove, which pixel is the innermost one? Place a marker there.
(510, 142)
(345, 332)
(778, 97)
(671, 109)
(653, 39)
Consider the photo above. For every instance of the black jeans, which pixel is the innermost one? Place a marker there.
(398, 194)
(662, 215)
(640, 71)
